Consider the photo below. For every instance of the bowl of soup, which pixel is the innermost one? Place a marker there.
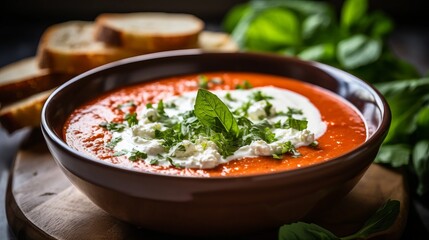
(199, 143)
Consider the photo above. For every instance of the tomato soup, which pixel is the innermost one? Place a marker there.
(169, 126)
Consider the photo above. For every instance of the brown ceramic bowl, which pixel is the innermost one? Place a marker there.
(212, 206)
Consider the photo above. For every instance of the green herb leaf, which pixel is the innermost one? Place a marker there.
(307, 231)
(112, 126)
(245, 85)
(137, 155)
(380, 221)
(131, 119)
(203, 82)
(273, 29)
(172, 163)
(296, 124)
(357, 51)
(113, 142)
(213, 113)
(353, 11)
(396, 155)
(421, 165)
(127, 104)
(120, 153)
(259, 96)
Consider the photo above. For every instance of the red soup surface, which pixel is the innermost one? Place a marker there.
(345, 128)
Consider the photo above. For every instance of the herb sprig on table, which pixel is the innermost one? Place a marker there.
(356, 41)
(382, 219)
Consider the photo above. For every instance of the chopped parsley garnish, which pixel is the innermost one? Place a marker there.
(290, 112)
(259, 96)
(172, 163)
(137, 155)
(127, 104)
(295, 124)
(229, 97)
(113, 126)
(211, 121)
(203, 82)
(245, 85)
(131, 119)
(120, 153)
(113, 142)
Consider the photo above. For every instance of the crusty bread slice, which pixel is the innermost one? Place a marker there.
(149, 31)
(24, 78)
(24, 113)
(216, 41)
(70, 47)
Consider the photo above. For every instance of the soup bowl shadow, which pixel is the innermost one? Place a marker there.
(201, 206)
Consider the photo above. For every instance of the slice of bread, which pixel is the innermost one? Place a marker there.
(24, 78)
(24, 113)
(147, 32)
(216, 41)
(70, 48)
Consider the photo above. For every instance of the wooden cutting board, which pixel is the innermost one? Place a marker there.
(42, 204)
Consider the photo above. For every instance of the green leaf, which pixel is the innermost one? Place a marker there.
(422, 121)
(113, 142)
(203, 82)
(380, 221)
(315, 25)
(321, 52)
(352, 12)
(421, 165)
(396, 155)
(113, 126)
(406, 98)
(211, 112)
(358, 50)
(273, 29)
(137, 155)
(307, 231)
(234, 16)
(131, 119)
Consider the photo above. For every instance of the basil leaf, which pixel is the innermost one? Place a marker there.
(380, 221)
(396, 155)
(211, 111)
(306, 231)
(234, 16)
(422, 121)
(315, 25)
(352, 12)
(321, 52)
(357, 51)
(273, 29)
(406, 98)
(421, 165)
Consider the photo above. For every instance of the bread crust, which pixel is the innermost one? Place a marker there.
(23, 78)
(76, 57)
(24, 113)
(153, 40)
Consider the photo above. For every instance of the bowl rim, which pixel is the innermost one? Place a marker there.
(378, 133)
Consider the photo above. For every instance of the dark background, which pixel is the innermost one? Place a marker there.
(23, 22)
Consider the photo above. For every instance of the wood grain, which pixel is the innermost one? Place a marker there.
(42, 203)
